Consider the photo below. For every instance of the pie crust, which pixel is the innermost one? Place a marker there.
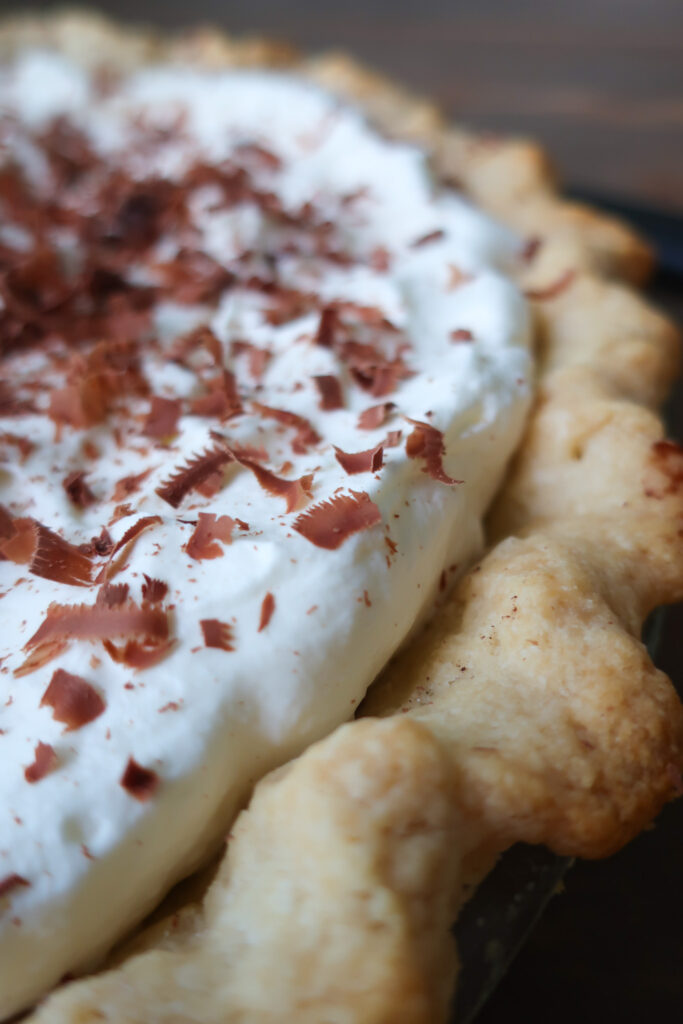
(527, 710)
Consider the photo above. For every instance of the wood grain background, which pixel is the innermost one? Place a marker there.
(600, 83)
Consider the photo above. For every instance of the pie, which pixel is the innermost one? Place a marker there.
(275, 340)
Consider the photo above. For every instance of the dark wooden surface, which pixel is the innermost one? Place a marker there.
(600, 82)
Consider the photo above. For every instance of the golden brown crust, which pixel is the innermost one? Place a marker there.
(560, 728)
(331, 905)
(530, 708)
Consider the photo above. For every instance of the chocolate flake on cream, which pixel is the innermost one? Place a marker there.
(194, 473)
(142, 783)
(128, 485)
(210, 529)
(305, 436)
(295, 492)
(461, 334)
(162, 418)
(45, 761)
(330, 390)
(73, 700)
(56, 559)
(426, 442)
(153, 590)
(375, 416)
(369, 461)
(330, 523)
(217, 634)
(112, 594)
(100, 622)
(78, 491)
(139, 655)
(327, 327)
(267, 609)
(11, 882)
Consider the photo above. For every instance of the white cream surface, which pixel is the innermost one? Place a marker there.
(207, 721)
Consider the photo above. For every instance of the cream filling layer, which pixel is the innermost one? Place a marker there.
(210, 722)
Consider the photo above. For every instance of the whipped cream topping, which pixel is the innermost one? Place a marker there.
(260, 379)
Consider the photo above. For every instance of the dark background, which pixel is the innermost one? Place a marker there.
(600, 83)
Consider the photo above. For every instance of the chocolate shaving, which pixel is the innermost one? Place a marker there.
(200, 339)
(7, 528)
(162, 418)
(426, 442)
(11, 882)
(461, 334)
(380, 259)
(112, 594)
(370, 316)
(327, 327)
(78, 405)
(78, 491)
(153, 590)
(49, 555)
(295, 492)
(128, 485)
(195, 277)
(134, 531)
(267, 609)
(217, 634)
(259, 155)
(375, 416)
(22, 444)
(457, 277)
(56, 559)
(330, 523)
(195, 472)
(431, 236)
(41, 656)
(329, 388)
(137, 655)
(305, 436)
(35, 286)
(137, 221)
(45, 761)
(212, 405)
(373, 371)
(222, 399)
(142, 783)
(73, 700)
(68, 153)
(19, 539)
(102, 545)
(99, 622)
(284, 304)
(369, 461)
(210, 529)
(258, 358)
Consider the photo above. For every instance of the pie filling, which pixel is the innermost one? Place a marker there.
(260, 379)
